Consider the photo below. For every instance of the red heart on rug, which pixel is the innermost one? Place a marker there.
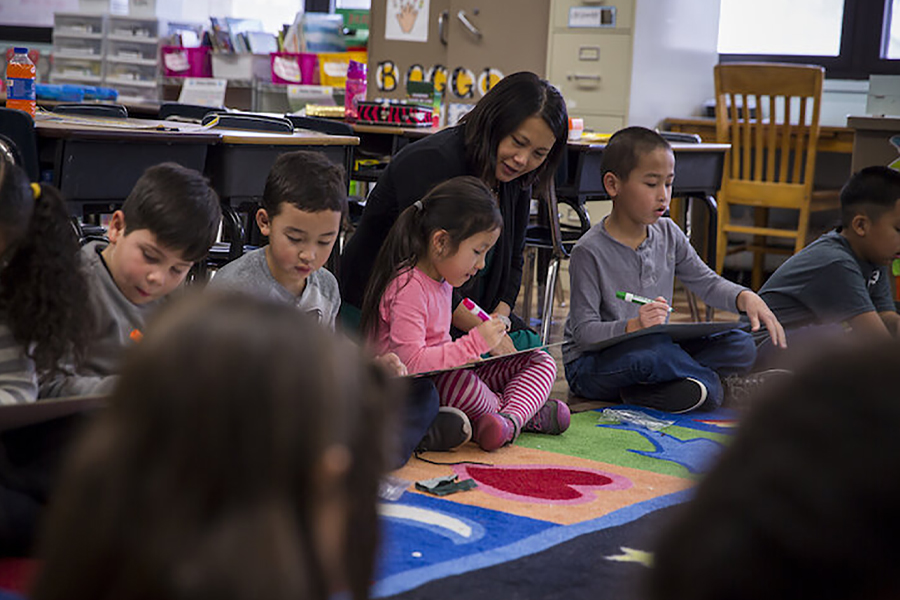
(542, 483)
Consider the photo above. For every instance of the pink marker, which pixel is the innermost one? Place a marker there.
(475, 310)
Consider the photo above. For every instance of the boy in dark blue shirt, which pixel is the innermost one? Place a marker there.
(842, 277)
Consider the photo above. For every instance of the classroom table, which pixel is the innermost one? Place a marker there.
(95, 162)
(872, 144)
(698, 168)
(383, 140)
(834, 148)
(698, 175)
(832, 138)
(240, 162)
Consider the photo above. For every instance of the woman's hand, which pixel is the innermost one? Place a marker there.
(392, 364)
(506, 346)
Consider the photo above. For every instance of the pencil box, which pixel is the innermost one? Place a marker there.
(390, 113)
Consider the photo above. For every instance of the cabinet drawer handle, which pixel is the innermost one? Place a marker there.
(442, 26)
(461, 15)
(581, 77)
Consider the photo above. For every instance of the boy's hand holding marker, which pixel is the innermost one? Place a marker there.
(652, 312)
(492, 330)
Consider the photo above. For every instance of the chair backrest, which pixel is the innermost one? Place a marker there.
(189, 112)
(18, 140)
(769, 113)
(249, 122)
(320, 125)
(113, 111)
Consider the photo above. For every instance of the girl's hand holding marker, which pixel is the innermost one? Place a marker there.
(492, 330)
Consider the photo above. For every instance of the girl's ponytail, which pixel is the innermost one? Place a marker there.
(462, 206)
(405, 244)
(43, 293)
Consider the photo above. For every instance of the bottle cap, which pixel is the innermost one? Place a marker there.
(20, 50)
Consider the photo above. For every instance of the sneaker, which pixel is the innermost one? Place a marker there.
(449, 430)
(552, 418)
(494, 430)
(680, 396)
(741, 390)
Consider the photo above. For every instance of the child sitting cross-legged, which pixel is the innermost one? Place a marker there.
(439, 243)
(303, 205)
(636, 249)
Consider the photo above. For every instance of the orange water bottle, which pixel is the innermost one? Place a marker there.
(20, 76)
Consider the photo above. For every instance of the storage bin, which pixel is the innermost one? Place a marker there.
(333, 66)
(130, 50)
(72, 69)
(80, 25)
(186, 62)
(395, 113)
(135, 29)
(291, 68)
(125, 74)
(74, 47)
(240, 66)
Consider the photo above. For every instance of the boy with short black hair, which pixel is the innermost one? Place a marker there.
(635, 250)
(842, 277)
(168, 222)
(303, 206)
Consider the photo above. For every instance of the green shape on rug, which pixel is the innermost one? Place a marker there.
(584, 439)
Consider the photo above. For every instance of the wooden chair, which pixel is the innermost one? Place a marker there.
(772, 158)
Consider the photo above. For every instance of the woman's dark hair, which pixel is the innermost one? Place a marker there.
(43, 293)
(515, 98)
(803, 504)
(461, 206)
(205, 477)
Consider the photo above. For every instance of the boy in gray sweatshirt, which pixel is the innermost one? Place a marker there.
(168, 222)
(303, 205)
(635, 249)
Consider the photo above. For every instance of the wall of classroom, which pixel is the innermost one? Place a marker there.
(666, 88)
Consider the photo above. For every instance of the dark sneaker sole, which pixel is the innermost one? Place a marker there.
(450, 429)
(676, 397)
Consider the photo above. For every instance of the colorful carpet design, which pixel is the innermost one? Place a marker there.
(588, 495)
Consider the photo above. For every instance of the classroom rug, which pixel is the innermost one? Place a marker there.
(570, 516)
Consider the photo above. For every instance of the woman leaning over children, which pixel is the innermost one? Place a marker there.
(512, 140)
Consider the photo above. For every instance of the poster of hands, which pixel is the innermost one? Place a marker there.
(407, 20)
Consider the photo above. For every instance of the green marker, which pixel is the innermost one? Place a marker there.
(629, 297)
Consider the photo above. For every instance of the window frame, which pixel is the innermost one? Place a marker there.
(860, 52)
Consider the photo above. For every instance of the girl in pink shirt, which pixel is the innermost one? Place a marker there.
(437, 244)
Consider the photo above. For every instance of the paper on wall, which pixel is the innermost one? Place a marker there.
(407, 20)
